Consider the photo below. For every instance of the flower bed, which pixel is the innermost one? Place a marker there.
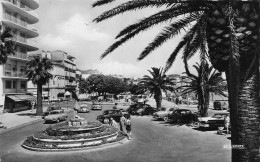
(54, 134)
(31, 143)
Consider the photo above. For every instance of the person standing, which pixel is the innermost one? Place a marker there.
(227, 122)
(128, 126)
(122, 124)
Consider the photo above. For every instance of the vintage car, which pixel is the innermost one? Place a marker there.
(182, 116)
(83, 109)
(96, 107)
(115, 114)
(215, 121)
(164, 112)
(51, 108)
(141, 109)
(55, 116)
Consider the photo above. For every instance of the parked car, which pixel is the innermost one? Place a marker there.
(182, 116)
(115, 114)
(141, 109)
(55, 116)
(220, 105)
(96, 107)
(215, 121)
(51, 108)
(163, 113)
(83, 108)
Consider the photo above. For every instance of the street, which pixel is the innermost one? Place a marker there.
(152, 141)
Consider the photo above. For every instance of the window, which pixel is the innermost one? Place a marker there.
(14, 68)
(23, 84)
(7, 66)
(22, 69)
(14, 84)
(8, 84)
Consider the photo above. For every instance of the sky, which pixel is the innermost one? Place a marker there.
(68, 25)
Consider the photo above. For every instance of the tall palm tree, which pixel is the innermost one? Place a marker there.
(213, 83)
(37, 70)
(7, 44)
(156, 83)
(227, 32)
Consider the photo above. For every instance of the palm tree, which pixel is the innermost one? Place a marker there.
(37, 70)
(227, 32)
(213, 83)
(157, 83)
(7, 44)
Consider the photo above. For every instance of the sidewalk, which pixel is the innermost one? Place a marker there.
(17, 119)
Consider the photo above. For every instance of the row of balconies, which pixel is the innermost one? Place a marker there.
(23, 24)
(22, 10)
(17, 90)
(19, 55)
(70, 70)
(17, 74)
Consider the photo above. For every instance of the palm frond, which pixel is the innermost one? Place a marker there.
(161, 16)
(101, 2)
(129, 6)
(170, 31)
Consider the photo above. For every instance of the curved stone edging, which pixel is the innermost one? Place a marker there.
(77, 149)
(80, 140)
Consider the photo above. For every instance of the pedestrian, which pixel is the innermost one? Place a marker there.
(113, 123)
(122, 124)
(128, 126)
(177, 101)
(227, 122)
(115, 106)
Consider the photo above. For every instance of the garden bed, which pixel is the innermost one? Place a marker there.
(35, 145)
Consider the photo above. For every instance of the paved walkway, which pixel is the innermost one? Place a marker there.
(17, 119)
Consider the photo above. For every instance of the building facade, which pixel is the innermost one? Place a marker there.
(20, 16)
(63, 82)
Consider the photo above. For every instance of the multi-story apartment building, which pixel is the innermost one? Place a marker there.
(20, 16)
(64, 76)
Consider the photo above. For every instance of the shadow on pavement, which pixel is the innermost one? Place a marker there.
(204, 129)
(27, 114)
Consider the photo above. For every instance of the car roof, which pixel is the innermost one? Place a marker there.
(112, 110)
(182, 110)
(56, 110)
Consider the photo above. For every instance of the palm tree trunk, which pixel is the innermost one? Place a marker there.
(205, 105)
(39, 109)
(158, 99)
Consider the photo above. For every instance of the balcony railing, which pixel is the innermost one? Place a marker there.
(9, 73)
(24, 8)
(21, 23)
(30, 41)
(19, 55)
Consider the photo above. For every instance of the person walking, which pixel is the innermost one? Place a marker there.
(128, 126)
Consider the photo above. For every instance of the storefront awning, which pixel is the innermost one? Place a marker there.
(14, 98)
(26, 97)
